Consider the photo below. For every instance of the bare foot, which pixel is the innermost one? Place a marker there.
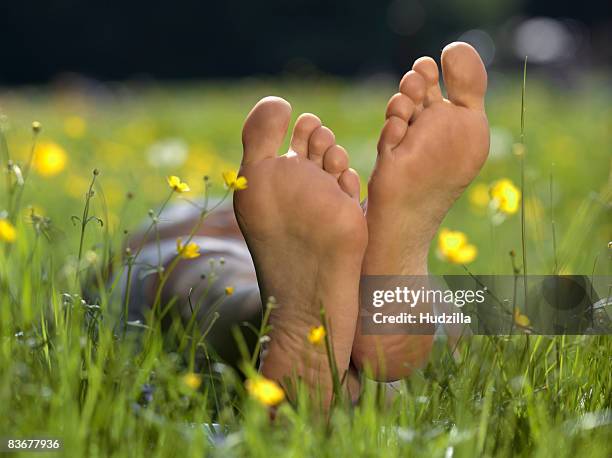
(307, 234)
(429, 151)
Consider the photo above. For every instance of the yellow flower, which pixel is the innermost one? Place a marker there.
(74, 126)
(266, 391)
(316, 335)
(454, 247)
(233, 181)
(229, 290)
(505, 196)
(519, 149)
(479, 195)
(189, 251)
(177, 185)
(192, 380)
(8, 233)
(520, 319)
(49, 159)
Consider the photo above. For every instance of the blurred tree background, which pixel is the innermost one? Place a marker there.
(143, 90)
(119, 40)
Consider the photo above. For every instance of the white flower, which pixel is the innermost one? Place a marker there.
(501, 143)
(171, 152)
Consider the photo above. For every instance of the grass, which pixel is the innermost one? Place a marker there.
(67, 371)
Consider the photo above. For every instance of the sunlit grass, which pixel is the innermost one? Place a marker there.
(68, 370)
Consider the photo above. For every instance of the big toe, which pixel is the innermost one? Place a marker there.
(465, 76)
(265, 129)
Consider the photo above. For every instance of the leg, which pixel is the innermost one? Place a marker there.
(199, 286)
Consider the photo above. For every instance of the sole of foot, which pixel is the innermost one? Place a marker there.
(430, 149)
(301, 219)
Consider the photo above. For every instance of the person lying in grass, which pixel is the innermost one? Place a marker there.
(300, 234)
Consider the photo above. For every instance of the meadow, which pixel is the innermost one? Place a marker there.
(67, 370)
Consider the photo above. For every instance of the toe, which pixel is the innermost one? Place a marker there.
(335, 160)
(320, 141)
(264, 129)
(349, 182)
(393, 132)
(305, 125)
(428, 69)
(465, 76)
(413, 85)
(401, 106)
